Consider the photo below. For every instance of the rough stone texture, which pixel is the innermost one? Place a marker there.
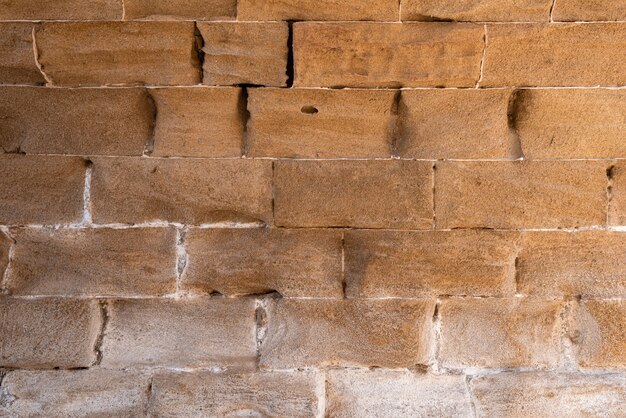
(477, 10)
(180, 9)
(135, 190)
(417, 264)
(521, 194)
(387, 54)
(577, 10)
(197, 332)
(558, 264)
(386, 393)
(318, 333)
(571, 123)
(555, 55)
(198, 122)
(60, 9)
(86, 262)
(617, 205)
(438, 124)
(47, 333)
(38, 120)
(500, 333)
(40, 189)
(295, 263)
(245, 53)
(362, 194)
(114, 53)
(17, 59)
(75, 393)
(320, 123)
(598, 330)
(318, 10)
(549, 395)
(5, 249)
(265, 393)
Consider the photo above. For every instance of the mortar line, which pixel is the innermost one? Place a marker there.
(552, 11)
(182, 257)
(87, 218)
(104, 317)
(4, 283)
(36, 56)
(123, 10)
(321, 389)
(468, 381)
(482, 60)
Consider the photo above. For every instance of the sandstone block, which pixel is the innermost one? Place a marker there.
(318, 10)
(362, 194)
(180, 9)
(17, 59)
(295, 263)
(477, 10)
(318, 333)
(577, 10)
(61, 10)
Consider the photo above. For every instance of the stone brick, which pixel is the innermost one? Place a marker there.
(500, 333)
(117, 53)
(135, 190)
(245, 53)
(366, 194)
(265, 393)
(521, 194)
(598, 330)
(5, 250)
(197, 332)
(183, 9)
(386, 393)
(557, 264)
(571, 123)
(198, 122)
(295, 263)
(17, 59)
(617, 192)
(318, 10)
(555, 55)
(38, 120)
(61, 10)
(429, 263)
(549, 395)
(577, 10)
(387, 54)
(318, 333)
(41, 190)
(74, 393)
(84, 262)
(292, 123)
(477, 10)
(46, 333)
(443, 124)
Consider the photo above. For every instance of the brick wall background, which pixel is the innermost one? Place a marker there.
(363, 208)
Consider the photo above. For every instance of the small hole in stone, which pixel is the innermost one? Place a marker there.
(311, 110)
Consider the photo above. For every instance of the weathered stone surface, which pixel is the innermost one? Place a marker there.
(587, 263)
(429, 263)
(295, 263)
(38, 120)
(180, 9)
(386, 393)
(571, 123)
(317, 333)
(292, 123)
(521, 194)
(17, 59)
(197, 332)
(500, 333)
(5, 249)
(577, 10)
(47, 333)
(365, 194)
(617, 205)
(94, 393)
(443, 124)
(265, 393)
(134, 190)
(61, 9)
(41, 189)
(555, 55)
(549, 395)
(114, 53)
(477, 10)
(318, 10)
(245, 53)
(387, 54)
(86, 262)
(598, 330)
